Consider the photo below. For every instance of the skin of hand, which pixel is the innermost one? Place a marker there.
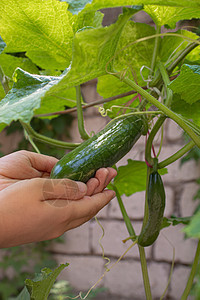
(35, 208)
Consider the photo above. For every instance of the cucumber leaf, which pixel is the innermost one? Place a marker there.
(166, 15)
(172, 45)
(193, 229)
(24, 295)
(23, 27)
(131, 178)
(10, 63)
(173, 220)
(30, 95)
(99, 4)
(187, 83)
(39, 288)
(189, 111)
(25, 96)
(92, 53)
(76, 6)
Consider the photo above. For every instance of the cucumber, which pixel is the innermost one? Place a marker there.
(156, 207)
(104, 149)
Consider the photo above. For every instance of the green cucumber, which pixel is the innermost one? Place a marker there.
(156, 207)
(104, 149)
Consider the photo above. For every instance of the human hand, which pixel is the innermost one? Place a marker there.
(39, 208)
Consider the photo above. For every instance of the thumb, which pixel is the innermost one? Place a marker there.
(65, 189)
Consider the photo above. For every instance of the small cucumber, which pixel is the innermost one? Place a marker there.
(104, 149)
(156, 207)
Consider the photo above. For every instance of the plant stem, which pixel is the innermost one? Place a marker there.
(81, 127)
(176, 155)
(126, 218)
(162, 107)
(173, 65)
(145, 273)
(31, 141)
(141, 249)
(152, 134)
(4, 81)
(182, 55)
(133, 237)
(166, 81)
(44, 139)
(70, 110)
(192, 274)
(155, 50)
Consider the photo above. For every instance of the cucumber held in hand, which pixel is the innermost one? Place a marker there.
(156, 206)
(104, 149)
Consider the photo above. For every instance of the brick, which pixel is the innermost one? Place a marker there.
(134, 206)
(75, 241)
(115, 232)
(169, 207)
(9, 143)
(178, 281)
(189, 171)
(158, 277)
(177, 173)
(187, 204)
(125, 280)
(103, 213)
(83, 271)
(174, 237)
(174, 132)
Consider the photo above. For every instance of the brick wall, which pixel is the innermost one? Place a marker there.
(82, 250)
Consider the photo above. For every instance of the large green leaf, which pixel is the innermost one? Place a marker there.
(42, 29)
(53, 102)
(2, 45)
(170, 46)
(131, 178)
(193, 229)
(99, 4)
(40, 287)
(75, 6)
(132, 54)
(92, 50)
(166, 15)
(189, 111)
(10, 63)
(187, 83)
(25, 96)
(86, 20)
(109, 86)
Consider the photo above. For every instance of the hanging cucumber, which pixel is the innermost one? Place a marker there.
(156, 207)
(104, 149)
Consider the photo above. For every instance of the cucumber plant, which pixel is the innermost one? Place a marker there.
(145, 75)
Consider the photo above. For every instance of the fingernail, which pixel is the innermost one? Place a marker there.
(82, 187)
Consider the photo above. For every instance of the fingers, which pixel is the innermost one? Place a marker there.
(88, 207)
(92, 185)
(103, 177)
(40, 162)
(64, 189)
(25, 165)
